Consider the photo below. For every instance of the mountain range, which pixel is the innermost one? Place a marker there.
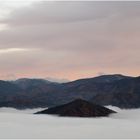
(117, 90)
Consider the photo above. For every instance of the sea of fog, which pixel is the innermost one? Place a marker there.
(24, 124)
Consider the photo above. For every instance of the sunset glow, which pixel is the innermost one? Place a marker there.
(69, 40)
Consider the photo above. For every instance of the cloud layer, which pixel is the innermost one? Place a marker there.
(19, 124)
(72, 39)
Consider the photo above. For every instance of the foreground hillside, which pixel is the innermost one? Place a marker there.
(118, 90)
(78, 108)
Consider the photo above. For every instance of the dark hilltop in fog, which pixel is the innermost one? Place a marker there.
(116, 90)
(78, 108)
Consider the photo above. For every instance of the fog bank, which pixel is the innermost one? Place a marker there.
(24, 124)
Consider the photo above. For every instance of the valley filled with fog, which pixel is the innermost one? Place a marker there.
(24, 124)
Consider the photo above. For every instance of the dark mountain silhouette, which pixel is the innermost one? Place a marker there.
(124, 94)
(7, 90)
(7, 87)
(78, 108)
(26, 83)
(118, 90)
(31, 93)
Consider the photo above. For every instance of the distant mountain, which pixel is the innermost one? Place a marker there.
(117, 90)
(57, 80)
(7, 92)
(31, 94)
(78, 108)
(124, 93)
(102, 79)
(7, 88)
(87, 88)
(27, 83)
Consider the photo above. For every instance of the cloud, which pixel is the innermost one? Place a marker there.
(55, 12)
(47, 12)
(12, 50)
(73, 39)
(8, 77)
(18, 124)
(57, 80)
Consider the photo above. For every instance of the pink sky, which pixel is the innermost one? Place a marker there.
(69, 40)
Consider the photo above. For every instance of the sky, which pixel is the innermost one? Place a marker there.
(69, 40)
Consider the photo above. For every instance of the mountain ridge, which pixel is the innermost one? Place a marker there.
(48, 94)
